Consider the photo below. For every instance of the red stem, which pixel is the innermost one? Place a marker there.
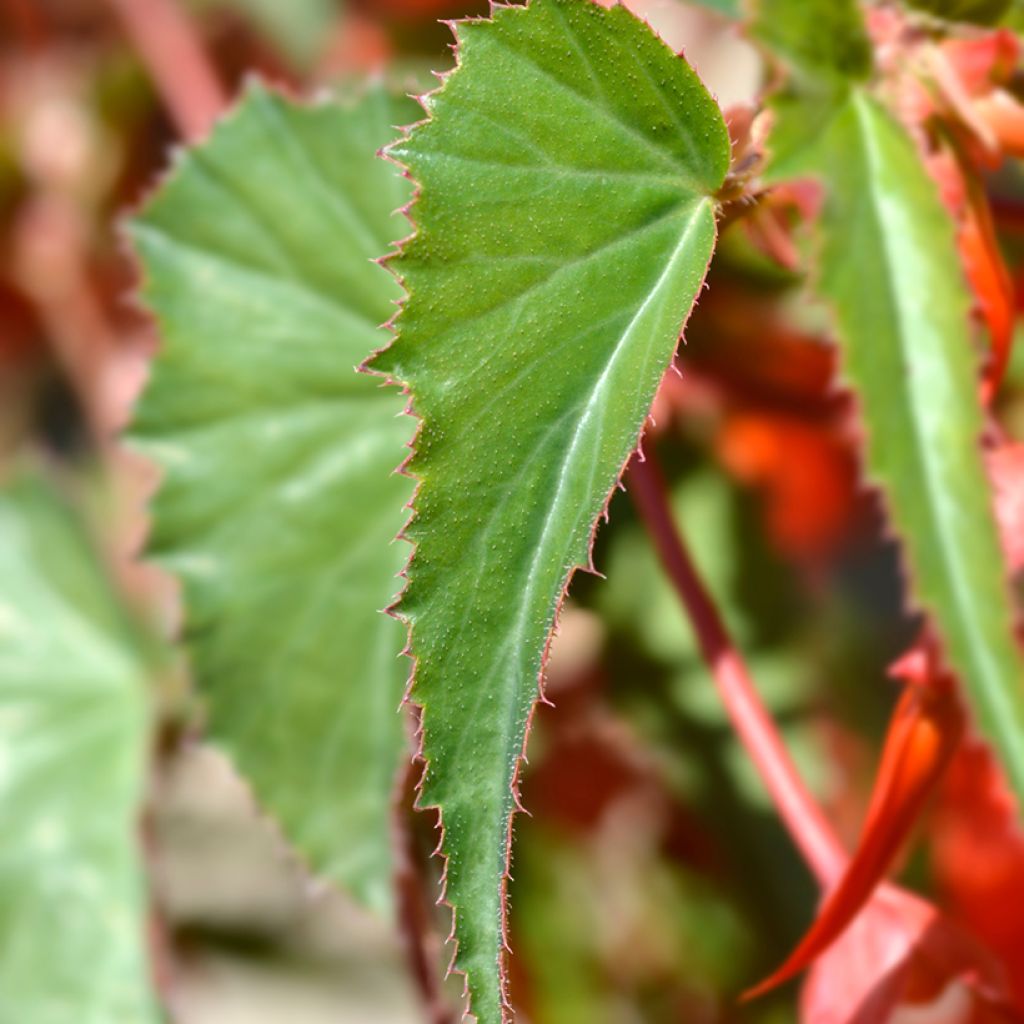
(802, 817)
(180, 68)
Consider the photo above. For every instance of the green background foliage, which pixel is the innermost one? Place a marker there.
(74, 724)
(279, 505)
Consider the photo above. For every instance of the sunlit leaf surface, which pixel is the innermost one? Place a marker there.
(564, 226)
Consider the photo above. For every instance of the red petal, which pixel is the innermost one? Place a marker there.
(901, 961)
(924, 732)
(978, 855)
(1006, 470)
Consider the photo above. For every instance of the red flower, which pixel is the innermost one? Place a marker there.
(902, 962)
(978, 856)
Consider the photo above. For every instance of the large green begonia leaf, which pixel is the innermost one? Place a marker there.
(74, 724)
(279, 504)
(564, 226)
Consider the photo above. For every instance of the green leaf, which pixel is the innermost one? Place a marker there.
(980, 12)
(824, 47)
(565, 223)
(73, 733)
(818, 39)
(890, 267)
(278, 504)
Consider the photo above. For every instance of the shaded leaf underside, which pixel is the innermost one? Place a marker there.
(564, 225)
(73, 734)
(278, 505)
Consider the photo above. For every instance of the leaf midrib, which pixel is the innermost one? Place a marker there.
(592, 404)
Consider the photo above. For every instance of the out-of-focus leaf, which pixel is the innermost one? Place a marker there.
(73, 733)
(278, 504)
(817, 39)
(889, 266)
(890, 269)
(980, 12)
(824, 46)
(565, 224)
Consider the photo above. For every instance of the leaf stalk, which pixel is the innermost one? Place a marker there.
(803, 819)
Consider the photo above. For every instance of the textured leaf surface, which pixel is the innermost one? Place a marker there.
(891, 269)
(278, 504)
(564, 227)
(73, 726)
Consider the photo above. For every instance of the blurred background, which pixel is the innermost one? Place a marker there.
(653, 882)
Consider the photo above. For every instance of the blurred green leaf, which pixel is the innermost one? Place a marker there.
(890, 267)
(565, 224)
(980, 12)
(279, 504)
(817, 39)
(824, 47)
(73, 735)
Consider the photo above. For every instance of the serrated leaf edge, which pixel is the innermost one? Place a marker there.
(139, 446)
(394, 609)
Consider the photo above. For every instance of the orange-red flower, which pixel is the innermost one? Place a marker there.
(902, 962)
(978, 856)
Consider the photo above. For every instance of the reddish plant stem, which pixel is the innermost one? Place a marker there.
(802, 817)
(166, 40)
(419, 936)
